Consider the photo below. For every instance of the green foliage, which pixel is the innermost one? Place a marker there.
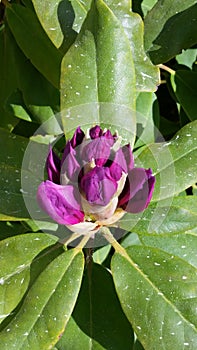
(95, 62)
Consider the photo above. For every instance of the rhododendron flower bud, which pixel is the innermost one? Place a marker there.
(95, 183)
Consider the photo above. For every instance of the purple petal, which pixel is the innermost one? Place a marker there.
(77, 137)
(97, 149)
(61, 203)
(128, 156)
(53, 166)
(138, 190)
(70, 166)
(108, 135)
(98, 186)
(118, 165)
(95, 132)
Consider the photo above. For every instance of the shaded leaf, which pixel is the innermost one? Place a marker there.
(8, 73)
(185, 91)
(76, 339)
(148, 280)
(97, 294)
(164, 44)
(16, 255)
(25, 27)
(47, 306)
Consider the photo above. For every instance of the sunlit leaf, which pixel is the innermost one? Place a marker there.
(172, 217)
(158, 293)
(16, 255)
(173, 163)
(147, 75)
(47, 306)
(98, 71)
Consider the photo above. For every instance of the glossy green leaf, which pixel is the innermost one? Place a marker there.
(158, 293)
(76, 339)
(98, 78)
(147, 5)
(165, 218)
(173, 163)
(11, 202)
(101, 254)
(15, 105)
(57, 20)
(182, 245)
(104, 330)
(47, 306)
(186, 91)
(147, 75)
(144, 116)
(42, 53)
(165, 36)
(16, 255)
(81, 9)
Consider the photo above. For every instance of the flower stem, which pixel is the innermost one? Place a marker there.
(110, 238)
(167, 69)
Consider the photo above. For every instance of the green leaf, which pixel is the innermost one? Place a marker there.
(147, 75)
(47, 306)
(76, 339)
(25, 27)
(98, 72)
(182, 245)
(40, 96)
(11, 203)
(101, 254)
(173, 162)
(144, 116)
(165, 36)
(57, 19)
(148, 280)
(16, 255)
(147, 5)
(187, 57)
(8, 73)
(164, 218)
(80, 8)
(110, 330)
(185, 91)
(15, 105)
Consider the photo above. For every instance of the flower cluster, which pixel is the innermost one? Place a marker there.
(95, 183)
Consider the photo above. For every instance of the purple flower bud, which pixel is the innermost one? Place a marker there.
(138, 190)
(98, 149)
(98, 186)
(77, 137)
(96, 132)
(95, 183)
(70, 167)
(53, 166)
(61, 203)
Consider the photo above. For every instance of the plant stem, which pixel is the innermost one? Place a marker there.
(167, 69)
